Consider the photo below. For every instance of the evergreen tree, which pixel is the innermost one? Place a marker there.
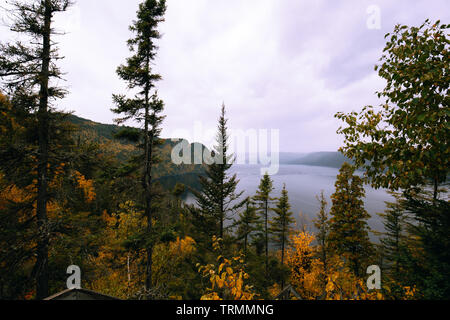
(71, 193)
(263, 202)
(280, 225)
(322, 225)
(145, 107)
(430, 258)
(248, 223)
(349, 235)
(217, 201)
(394, 221)
(29, 71)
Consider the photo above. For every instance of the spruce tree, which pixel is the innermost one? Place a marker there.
(218, 200)
(430, 259)
(145, 107)
(280, 225)
(349, 231)
(263, 202)
(29, 71)
(394, 221)
(249, 222)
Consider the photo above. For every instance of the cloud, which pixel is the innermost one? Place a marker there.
(288, 65)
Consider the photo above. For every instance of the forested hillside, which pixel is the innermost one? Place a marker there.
(321, 159)
(166, 172)
(108, 199)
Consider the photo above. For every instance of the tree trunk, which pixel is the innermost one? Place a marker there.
(148, 201)
(245, 245)
(222, 213)
(43, 135)
(147, 180)
(436, 186)
(128, 269)
(267, 236)
(283, 244)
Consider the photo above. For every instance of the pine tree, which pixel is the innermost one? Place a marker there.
(217, 201)
(263, 202)
(349, 235)
(145, 107)
(322, 225)
(280, 225)
(29, 70)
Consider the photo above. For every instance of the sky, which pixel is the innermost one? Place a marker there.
(287, 65)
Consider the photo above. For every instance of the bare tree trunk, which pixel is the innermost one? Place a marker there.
(147, 180)
(436, 188)
(267, 236)
(128, 269)
(148, 200)
(245, 245)
(282, 260)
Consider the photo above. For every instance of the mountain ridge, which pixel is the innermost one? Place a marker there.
(106, 132)
(328, 159)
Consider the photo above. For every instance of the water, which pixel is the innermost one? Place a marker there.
(304, 183)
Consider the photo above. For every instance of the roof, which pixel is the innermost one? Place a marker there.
(287, 293)
(80, 294)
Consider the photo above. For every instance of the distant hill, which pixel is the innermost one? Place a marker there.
(166, 172)
(322, 159)
(105, 131)
(290, 157)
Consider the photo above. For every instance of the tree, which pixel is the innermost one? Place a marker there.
(217, 201)
(405, 142)
(263, 201)
(348, 235)
(322, 224)
(307, 273)
(145, 107)
(248, 223)
(393, 238)
(30, 70)
(227, 278)
(430, 228)
(280, 225)
(305, 270)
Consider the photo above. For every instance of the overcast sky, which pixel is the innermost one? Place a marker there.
(277, 64)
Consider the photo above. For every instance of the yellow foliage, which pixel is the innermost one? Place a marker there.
(118, 271)
(128, 266)
(227, 278)
(310, 280)
(306, 271)
(410, 293)
(168, 259)
(86, 185)
(274, 290)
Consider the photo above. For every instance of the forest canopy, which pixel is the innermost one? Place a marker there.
(109, 199)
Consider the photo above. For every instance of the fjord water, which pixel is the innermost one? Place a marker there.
(304, 183)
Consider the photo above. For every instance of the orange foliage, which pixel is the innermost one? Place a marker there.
(310, 280)
(306, 271)
(227, 278)
(86, 185)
